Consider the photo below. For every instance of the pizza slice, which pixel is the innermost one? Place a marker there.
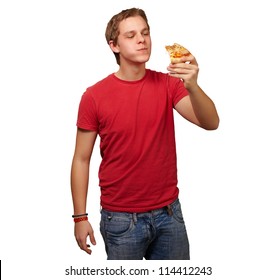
(176, 51)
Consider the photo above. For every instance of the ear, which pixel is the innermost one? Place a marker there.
(113, 47)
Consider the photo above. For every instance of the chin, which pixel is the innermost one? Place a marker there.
(143, 59)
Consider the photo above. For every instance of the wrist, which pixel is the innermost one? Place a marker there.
(80, 219)
(192, 88)
(79, 215)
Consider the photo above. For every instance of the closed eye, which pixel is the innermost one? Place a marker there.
(145, 33)
(129, 35)
(132, 34)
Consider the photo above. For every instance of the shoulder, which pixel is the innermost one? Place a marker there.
(174, 87)
(99, 85)
(163, 77)
(95, 91)
(156, 75)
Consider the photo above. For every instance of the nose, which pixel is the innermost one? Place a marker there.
(140, 38)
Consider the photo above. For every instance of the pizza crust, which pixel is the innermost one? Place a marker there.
(176, 52)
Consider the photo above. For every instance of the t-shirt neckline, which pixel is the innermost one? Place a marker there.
(131, 82)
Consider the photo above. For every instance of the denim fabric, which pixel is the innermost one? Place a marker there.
(156, 235)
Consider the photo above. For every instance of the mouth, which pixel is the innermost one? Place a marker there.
(143, 49)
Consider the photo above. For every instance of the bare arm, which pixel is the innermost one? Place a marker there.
(197, 107)
(79, 184)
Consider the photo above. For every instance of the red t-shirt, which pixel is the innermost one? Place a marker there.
(134, 120)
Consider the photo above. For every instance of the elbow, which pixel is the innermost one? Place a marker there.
(213, 125)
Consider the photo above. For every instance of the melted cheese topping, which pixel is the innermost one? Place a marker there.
(176, 50)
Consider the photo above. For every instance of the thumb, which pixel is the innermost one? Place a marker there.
(92, 238)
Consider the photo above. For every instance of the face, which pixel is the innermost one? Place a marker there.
(134, 41)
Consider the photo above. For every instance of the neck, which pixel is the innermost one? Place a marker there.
(131, 73)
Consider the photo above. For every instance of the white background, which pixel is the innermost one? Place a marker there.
(51, 51)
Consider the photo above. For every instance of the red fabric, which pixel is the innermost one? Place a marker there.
(134, 120)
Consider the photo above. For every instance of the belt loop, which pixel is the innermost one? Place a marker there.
(169, 210)
(135, 218)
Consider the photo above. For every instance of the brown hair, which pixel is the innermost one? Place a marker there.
(112, 30)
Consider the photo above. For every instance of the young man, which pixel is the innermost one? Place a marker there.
(132, 112)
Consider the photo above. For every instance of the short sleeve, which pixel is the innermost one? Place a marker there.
(87, 116)
(177, 90)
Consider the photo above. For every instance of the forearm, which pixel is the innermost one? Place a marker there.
(198, 108)
(79, 185)
(204, 108)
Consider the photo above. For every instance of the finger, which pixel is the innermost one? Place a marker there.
(92, 238)
(180, 76)
(189, 59)
(182, 65)
(85, 247)
(181, 70)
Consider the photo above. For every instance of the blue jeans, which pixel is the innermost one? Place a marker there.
(156, 235)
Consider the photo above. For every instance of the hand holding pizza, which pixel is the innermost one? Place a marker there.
(183, 65)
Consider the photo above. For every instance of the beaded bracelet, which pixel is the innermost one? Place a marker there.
(79, 215)
(80, 219)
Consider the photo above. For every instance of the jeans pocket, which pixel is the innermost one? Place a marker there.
(116, 224)
(177, 213)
